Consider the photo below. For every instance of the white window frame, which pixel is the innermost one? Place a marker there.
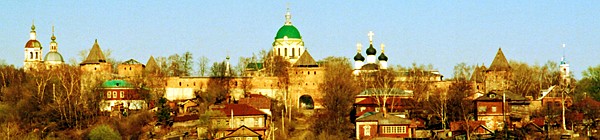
(122, 93)
(108, 94)
(394, 129)
(114, 94)
(494, 109)
(367, 130)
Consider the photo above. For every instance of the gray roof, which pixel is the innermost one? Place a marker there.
(500, 63)
(306, 60)
(383, 120)
(95, 56)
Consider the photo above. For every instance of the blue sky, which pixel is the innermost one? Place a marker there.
(441, 33)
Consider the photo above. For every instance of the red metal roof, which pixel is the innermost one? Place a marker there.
(238, 110)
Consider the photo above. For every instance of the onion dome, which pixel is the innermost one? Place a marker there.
(359, 57)
(382, 57)
(371, 50)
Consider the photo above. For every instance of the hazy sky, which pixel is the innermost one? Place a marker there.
(441, 33)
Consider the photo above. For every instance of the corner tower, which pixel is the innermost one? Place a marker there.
(33, 50)
(564, 69)
(288, 41)
(497, 76)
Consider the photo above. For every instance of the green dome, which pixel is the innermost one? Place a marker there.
(288, 30)
(53, 56)
(116, 84)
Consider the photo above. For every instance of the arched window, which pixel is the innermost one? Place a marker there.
(284, 51)
(36, 55)
(30, 55)
(293, 52)
(279, 51)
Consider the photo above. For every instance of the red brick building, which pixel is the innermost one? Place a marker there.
(380, 125)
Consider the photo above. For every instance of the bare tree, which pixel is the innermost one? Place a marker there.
(339, 91)
(202, 65)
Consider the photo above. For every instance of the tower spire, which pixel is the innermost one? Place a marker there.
(288, 16)
(382, 47)
(358, 47)
(53, 44)
(32, 35)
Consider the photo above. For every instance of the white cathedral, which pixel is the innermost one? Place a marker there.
(33, 52)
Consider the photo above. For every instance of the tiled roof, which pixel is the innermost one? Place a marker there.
(151, 64)
(500, 63)
(478, 74)
(459, 125)
(95, 56)
(257, 101)
(306, 60)
(387, 120)
(132, 62)
(238, 110)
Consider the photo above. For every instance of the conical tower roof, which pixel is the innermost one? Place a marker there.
(306, 60)
(95, 56)
(151, 64)
(500, 63)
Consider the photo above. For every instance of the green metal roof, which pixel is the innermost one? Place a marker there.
(254, 66)
(54, 56)
(288, 30)
(116, 84)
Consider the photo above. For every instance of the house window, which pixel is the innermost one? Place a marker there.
(493, 109)
(482, 109)
(114, 94)
(122, 94)
(108, 95)
(248, 138)
(394, 129)
(362, 109)
(367, 130)
(238, 138)
(377, 109)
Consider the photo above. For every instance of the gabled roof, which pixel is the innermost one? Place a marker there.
(306, 60)
(497, 96)
(95, 56)
(500, 63)
(151, 64)
(238, 110)
(243, 131)
(387, 120)
(132, 62)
